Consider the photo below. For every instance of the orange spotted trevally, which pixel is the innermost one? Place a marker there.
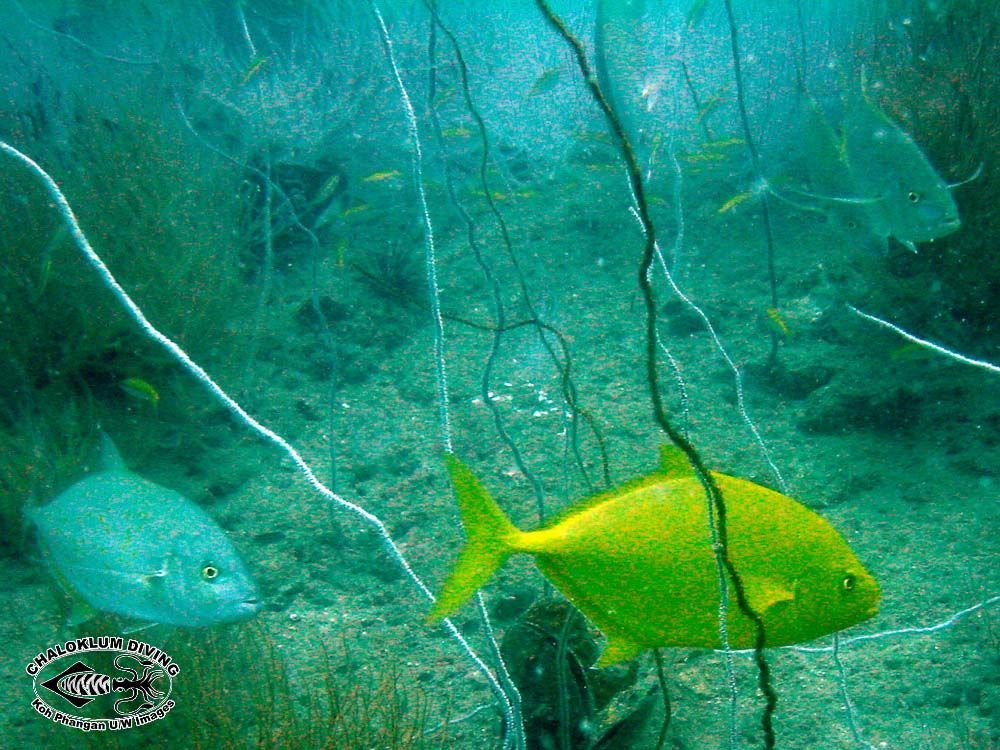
(637, 560)
(121, 544)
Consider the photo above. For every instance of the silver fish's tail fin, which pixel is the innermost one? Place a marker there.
(111, 458)
(490, 535)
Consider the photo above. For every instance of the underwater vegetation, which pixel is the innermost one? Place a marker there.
(294, 258)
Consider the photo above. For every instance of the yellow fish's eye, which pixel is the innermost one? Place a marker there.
(210, 572)
(848, 583)
(913, 196)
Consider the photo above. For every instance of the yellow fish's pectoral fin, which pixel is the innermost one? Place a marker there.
(619, 649)
(490, 541)
(765, 593)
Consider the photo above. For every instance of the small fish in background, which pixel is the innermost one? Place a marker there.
(140, 390)
(913, 202)
(357, 208)
(456, 132)
(121, 544)
(652, 89)
(256, 65)
(340, 254)
(736, 200)
(545, 82)
(443, 96)
(695, 13)
(777, 322)
(710, 105)
(637, 560)
(327, 190)
(381, 176)
(910, 352)
(870, 178)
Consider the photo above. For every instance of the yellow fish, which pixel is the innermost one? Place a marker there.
(637, 560)
(355, 209)
(703, 156)
(341, 254)
(723, 143)
(778, 321)
(545, 82)
(735, 201)
(253, 68)
(910, 351)
(381, 176)
(456, 132)
(140, 389)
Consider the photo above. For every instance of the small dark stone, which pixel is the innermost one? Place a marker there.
(792, 384)
(679, 319)
(306, 411)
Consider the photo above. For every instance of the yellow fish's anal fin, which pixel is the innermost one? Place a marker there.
(490, 536)
(618, 650)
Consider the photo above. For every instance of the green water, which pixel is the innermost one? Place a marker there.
(250, 174)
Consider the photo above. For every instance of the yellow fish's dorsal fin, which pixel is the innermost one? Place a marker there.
(490, 541)
(674, 464)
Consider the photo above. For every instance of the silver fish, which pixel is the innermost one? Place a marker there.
(133, 548)
(910, 201)
(868, 177)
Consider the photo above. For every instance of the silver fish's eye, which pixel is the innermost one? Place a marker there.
(210, 572)
(913, 196)
(848, 582)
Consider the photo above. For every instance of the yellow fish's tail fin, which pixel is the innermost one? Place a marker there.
(489, 533)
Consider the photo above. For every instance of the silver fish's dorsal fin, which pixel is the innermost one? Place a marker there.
(673, 462)
(111, 459)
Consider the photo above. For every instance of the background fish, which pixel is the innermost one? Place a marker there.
(133, 548)
(913, 202)
(637, 560)
(867, 176)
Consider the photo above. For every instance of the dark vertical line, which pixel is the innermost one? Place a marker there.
(758, 175)
(712, 490)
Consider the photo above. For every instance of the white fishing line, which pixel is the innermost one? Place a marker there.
(430, 255)
(505, 690)
(981, 363)
(926, 630)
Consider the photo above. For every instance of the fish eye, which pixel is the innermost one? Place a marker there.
(913, 196)
(209, 572)
(849, 582)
